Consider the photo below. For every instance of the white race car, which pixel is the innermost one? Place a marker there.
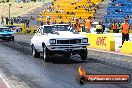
(58, 39)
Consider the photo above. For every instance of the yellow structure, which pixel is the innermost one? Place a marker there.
(127, 47)
(101, 41)
(67, 10)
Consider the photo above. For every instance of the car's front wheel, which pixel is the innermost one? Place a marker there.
(67, 55)
(35, 53)
(83, 54)
(45, 55)
(13, 38)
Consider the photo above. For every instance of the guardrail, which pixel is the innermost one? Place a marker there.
(101, 41)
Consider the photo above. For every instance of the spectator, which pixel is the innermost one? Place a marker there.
(77, 26)
(2, 19)
(54, 22)
(118, 27)
(103, 27)
(114, 27)
(99, 28)
(61, 22)
(48, 17)
(41, 24)
(69, 22)
(62, 11)
(11, 21)
(125, 31)
(48, 23)
(96, 5)
(7, 20)
(88, 24)
(27, 23)
(81, 20)
(88, 0)
(44, 10)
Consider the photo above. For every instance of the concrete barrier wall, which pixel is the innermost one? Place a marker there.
(127, 47)
(118, 39)
(101, 41)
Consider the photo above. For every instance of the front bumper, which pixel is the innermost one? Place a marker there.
(6, 37)
(73, 47)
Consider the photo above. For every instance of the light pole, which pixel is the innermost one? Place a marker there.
(9, 10)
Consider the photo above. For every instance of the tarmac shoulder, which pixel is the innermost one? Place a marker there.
(114, 55)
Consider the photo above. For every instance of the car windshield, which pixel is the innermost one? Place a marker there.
(62, 27)
(47, 29)
(52, 29)
(5, 30)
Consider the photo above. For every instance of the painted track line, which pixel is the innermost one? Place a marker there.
(6, 81)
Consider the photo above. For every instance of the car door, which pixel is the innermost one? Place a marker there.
(38, 42)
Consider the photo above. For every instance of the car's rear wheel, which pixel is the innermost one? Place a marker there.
(83, 54)
(35, 53)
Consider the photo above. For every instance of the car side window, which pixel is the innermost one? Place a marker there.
(41, 31)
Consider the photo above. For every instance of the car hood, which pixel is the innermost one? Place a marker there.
(65, 35)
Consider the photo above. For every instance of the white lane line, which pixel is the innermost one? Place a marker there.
(6, 81)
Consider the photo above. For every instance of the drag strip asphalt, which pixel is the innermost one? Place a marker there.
(24, 71)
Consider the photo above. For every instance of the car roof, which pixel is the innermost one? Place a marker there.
(60, 24)
(4, 27)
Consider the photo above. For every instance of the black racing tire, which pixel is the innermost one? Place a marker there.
(34, 52)
(9, 39)
(67, 55)
(2, 39)
(13, 38)
(84, 54)
(45, 53)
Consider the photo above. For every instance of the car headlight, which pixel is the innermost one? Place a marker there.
(52, 41)
(84, 40)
